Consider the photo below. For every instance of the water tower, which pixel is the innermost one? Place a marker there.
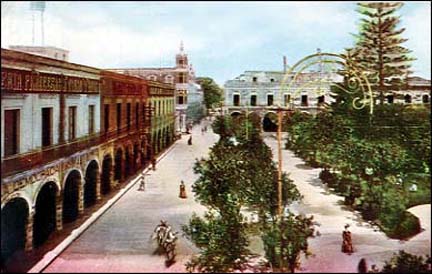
(38, 6)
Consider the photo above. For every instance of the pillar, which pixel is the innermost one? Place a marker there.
(59, 212)
(29, 232)
(81, 196)
(111, 176)
(98, 186)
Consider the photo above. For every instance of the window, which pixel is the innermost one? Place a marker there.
(12, 133)
(271, 80)
(425, 99)
(236, 99)
(254, 79)
(46, 127)
(390, 99)
(253, 100)
(180, 100)
(181, 78)
(91, 119)
(321, 99)
(72, 123)
(407, 99)
(128, 115)
(269, 99)
(118, 117)
(137, 115)
(304, 100)
(287, 99)
(106, 117)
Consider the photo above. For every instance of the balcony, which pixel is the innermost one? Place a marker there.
(22, 162)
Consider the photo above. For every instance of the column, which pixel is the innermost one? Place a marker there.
(111, 176)
(98, 186)
(81, 196)
(59, 212)
(29, 232)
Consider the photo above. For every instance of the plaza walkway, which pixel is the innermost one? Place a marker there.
(329, 211)
(119, 241)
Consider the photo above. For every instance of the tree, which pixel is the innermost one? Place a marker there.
(284, 241)
(212, 92)
(222, 239)
(379, 44)
(407, 263)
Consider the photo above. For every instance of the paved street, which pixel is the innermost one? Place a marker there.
(119, 240)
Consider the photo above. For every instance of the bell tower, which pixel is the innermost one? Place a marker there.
(181, 57)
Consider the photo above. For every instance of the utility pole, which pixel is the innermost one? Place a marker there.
(279, 139)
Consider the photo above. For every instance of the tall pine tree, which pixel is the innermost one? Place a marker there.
(379, 43)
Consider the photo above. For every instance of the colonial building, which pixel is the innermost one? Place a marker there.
(71, 134)
(261, 92)
(162, 102)
(183, 76)
(50, 134)
(126, 128)
(417, 91)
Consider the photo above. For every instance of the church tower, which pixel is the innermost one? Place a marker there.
(181, 57)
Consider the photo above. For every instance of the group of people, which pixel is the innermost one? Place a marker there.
(166, 238)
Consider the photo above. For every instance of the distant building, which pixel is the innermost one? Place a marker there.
(51, 52)
(261, 92)
(182, 75)
(417, 91)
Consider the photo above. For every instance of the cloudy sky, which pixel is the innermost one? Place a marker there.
(222, 39)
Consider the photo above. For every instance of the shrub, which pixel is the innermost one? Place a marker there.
(408, 227)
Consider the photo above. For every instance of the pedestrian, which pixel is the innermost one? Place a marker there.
(142, 183)
(347, 241)
(362, 266)
(190, 140)
(182, 190)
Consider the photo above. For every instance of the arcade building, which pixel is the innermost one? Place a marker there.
(70, 135)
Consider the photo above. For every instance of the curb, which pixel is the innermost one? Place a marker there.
(51, 255)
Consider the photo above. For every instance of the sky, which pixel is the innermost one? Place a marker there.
(222, 39)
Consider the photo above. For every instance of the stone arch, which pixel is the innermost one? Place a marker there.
(50, 179)
(90, 161)
(106, 176)
(235, 114)
(44, 220)
(92, 179)
(19, 194)
(14, 219)
(72, 195)
(270, 122)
